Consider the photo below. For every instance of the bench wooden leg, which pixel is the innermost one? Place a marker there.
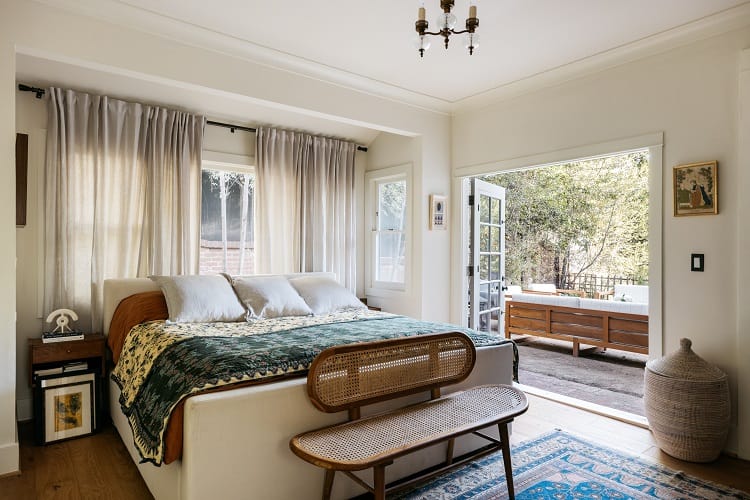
(328, 484)
(379, 481)
(576, 347)
(503, 428)
(449, 452)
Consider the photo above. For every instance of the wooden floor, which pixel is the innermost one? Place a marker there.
(99, 466)
(91, 467)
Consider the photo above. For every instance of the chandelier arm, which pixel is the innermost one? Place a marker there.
(435, 33)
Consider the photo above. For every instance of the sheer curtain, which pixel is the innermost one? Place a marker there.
(305, 216)
(122, 196)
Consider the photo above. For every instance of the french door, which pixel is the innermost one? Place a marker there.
(486, 257)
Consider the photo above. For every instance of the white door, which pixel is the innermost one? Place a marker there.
(487, 257)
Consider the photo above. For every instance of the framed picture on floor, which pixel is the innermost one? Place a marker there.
(68, 411)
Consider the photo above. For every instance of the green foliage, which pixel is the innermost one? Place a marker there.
(392, 198)
(589, 216)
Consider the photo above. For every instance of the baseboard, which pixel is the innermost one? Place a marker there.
(24, 409)
(8, 459)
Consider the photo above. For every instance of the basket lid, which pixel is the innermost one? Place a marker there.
(686, 365)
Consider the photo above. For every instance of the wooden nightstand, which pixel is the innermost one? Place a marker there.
(91, 349)
(86, 385)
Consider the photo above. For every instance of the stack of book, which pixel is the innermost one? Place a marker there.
(48, 337)
(74, 366)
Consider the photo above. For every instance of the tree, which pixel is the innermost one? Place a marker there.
(589, 216)
(227, 199)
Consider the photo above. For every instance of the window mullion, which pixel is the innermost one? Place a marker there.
(243, 221)
(223, 197)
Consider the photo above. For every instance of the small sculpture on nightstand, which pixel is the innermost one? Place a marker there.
(62, 331)
(63, 319)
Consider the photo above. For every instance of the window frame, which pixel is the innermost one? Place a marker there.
(238, 164)
(374, 179)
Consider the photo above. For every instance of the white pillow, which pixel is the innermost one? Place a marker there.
(200, 299)
(269, 297)
(324, 295)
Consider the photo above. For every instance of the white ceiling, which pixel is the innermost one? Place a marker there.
(373, 39)
(368, 46)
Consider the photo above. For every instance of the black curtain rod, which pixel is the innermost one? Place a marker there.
(40, 92)
(27, 88)
(250, 129)
(230, 126)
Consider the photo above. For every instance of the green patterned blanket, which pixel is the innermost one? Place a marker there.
(162, 363)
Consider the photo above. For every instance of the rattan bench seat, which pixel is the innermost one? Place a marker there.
(360, 444)
(354, 375)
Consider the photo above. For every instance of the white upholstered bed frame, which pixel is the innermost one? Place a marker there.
(236, 443)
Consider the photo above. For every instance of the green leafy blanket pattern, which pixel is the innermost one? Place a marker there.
(163, 363)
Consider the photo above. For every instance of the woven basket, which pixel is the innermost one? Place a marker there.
(687, 405)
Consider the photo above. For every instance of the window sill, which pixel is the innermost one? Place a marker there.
(385, 293)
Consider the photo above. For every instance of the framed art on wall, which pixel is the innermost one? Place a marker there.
(438, 213)
(22, 169)
(696, 189)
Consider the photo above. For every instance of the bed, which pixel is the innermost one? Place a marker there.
(235, 443)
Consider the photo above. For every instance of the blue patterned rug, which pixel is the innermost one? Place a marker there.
(561, 466)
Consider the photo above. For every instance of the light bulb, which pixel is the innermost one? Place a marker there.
(471, 42)
(446, 20)
(422, 43)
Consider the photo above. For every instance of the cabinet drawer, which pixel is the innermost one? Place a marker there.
(63, 351)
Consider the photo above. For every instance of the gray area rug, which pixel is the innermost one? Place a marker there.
(610, 378)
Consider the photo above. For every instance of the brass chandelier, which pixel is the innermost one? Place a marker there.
(446, 23)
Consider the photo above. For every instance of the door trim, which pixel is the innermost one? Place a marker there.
(653, 142)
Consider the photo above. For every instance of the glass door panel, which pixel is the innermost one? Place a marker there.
(487, 254)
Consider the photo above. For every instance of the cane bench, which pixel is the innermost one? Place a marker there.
(351, 376)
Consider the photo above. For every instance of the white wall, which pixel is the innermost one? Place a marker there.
(390, 150)
(33, 29)
(31, 118)
(428, 296)
(690, 94)
(743, 250)
(221, 144)
(8, 441)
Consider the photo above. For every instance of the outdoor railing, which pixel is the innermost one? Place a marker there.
(592, 283)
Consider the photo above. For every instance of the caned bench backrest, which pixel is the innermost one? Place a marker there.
(349, 376)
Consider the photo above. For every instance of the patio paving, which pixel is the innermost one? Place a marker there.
(610, 378)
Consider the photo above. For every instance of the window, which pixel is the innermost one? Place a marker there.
(388, 205)
(227, 221)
